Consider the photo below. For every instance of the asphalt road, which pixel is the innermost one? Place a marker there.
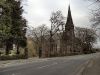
(53, 66)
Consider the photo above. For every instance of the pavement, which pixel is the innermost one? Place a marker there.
(70, 65)
(9, 63)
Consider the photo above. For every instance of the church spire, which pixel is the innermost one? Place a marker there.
(69, 22)
(69, 14)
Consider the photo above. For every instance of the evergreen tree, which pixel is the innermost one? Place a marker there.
(18, 30)
(5, 25)
(12, 24)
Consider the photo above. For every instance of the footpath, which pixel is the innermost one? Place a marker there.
(9, 63)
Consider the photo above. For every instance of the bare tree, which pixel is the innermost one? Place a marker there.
(95, 10)
(57, 26)
(38, 35)
(95, 18)
(57, 22)
(87, 36)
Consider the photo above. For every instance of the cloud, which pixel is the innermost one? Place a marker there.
(39, 11)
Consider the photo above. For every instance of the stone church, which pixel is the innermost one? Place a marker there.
(68, 44)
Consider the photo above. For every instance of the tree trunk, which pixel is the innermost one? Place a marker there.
(40, 52)
(26, 53)
(7, 50)
(8, 46)
(17, 50)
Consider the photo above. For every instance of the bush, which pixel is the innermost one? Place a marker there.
(14, 57)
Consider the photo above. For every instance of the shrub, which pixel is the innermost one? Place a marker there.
(13, 57)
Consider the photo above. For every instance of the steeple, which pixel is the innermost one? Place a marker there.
(69, 23)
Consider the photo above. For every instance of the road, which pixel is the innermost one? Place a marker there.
(69, 65)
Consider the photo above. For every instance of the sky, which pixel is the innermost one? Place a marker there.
(37, 12)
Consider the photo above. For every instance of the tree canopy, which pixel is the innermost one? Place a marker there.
(12, 24)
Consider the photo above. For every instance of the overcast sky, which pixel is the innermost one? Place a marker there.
(39, 11)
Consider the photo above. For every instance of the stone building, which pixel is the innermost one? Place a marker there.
(68, 44)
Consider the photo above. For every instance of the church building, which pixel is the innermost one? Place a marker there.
(69, 43)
